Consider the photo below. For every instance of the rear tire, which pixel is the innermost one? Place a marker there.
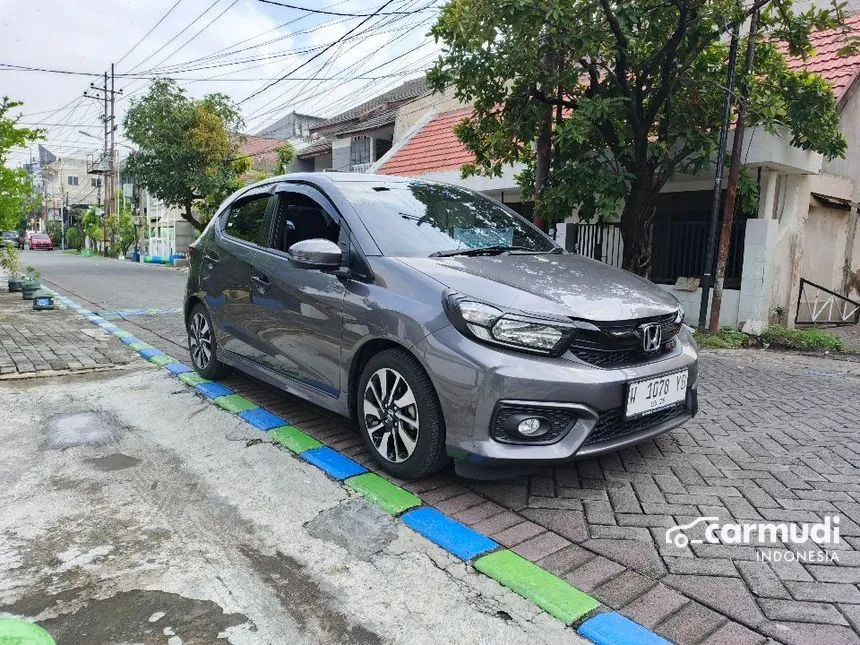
(203, 346)
(399, 415)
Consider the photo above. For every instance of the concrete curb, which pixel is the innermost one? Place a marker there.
(557, 597)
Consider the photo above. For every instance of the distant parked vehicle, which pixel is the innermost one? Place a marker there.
(41, 241)
(9, 238)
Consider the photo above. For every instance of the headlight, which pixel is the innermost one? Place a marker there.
(679, 317)
(509, 329)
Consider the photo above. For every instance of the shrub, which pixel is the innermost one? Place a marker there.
(803, 339)
(726, 338)
(73, 238)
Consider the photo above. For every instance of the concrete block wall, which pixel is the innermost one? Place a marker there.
(755, 293)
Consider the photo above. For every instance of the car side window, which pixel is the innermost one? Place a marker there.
(247, 219)
(301, 218)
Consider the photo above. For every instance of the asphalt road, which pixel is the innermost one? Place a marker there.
(110, 284)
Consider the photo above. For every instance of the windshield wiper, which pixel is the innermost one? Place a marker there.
(483, 250)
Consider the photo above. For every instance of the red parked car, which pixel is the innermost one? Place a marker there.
(41, 241)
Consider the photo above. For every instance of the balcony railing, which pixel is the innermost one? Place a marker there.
(361, 167)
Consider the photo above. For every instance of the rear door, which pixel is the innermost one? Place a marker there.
(227, 269)
(299, 311)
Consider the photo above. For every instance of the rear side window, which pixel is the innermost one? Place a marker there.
(247, 220)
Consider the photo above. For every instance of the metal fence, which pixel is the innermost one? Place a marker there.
(819, 305)
(678, 248)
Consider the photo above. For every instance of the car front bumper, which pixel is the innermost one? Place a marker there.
(471, 379)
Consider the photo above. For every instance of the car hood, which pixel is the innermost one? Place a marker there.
(564, 284)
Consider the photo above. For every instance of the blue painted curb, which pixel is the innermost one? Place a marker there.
(177, 368)
(615, 629)
(213, 390)
(452, 536)
(109, 327)
(130, 340)
(263, 419)
(333, 463)
(149, 353)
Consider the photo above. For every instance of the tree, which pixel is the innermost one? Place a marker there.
(185, 155)
(630, 93)
(91, 223)
(16, 192)
(286, 154)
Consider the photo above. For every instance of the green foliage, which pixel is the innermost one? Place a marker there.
(635, 90)
(10, 260)
(286, 155)
(16, 193)
(73, 238)
(802, 339)
(123, 227)
(55, 232)
(91, 223)
(726, 338)
(185, 155)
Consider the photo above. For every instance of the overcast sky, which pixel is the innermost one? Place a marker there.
(199, 42)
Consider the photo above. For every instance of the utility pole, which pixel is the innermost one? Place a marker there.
(107, 95)
(734, 175)
(707, 276)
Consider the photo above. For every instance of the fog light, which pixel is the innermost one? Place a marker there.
(531, 428)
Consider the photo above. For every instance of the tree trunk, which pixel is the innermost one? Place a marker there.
(637, 223)
(189, 217)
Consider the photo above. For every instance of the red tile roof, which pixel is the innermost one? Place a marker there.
(435, 148)
(839, 71)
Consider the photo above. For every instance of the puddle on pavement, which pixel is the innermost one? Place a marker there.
(361, 528)
(80, 429)
(116, 461)
(141, 616)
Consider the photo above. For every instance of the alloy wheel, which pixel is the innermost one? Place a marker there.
(391, 415)
(200, 340)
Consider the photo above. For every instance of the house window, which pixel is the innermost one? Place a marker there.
(95, 182)
(359, 151)
(72, 179)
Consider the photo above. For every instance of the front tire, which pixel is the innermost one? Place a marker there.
(399, 416)
(203, 346)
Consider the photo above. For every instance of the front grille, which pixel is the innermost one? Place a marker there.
(618, 344)
(613, 425)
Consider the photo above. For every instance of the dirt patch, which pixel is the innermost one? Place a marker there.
(302, 597)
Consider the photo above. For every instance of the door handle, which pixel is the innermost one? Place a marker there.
(262, 282)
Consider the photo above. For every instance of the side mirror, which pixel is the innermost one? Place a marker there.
(315, 254)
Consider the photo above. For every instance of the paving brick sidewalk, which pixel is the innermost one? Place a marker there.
(51, 341)
(778, 438)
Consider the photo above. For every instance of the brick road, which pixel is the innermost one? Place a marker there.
(776, 439)
(51, 341)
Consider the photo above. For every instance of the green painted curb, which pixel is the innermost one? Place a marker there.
(21, 632)
(139, 346)
(192, 378)
(162, 359)
(383, 493)
(235, 403)
(121, 333)
(293, 439)
(548, 592)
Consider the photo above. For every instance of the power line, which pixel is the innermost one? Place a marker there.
(146, 35)
(317, 55)
(337, 13)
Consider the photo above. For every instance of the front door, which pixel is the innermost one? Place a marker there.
(298, 311)
(227, 270)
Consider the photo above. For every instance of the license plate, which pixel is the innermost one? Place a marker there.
(652, 394)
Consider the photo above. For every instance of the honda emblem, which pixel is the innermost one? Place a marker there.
(652, 337)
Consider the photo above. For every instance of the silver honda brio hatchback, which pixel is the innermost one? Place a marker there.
(444, 323)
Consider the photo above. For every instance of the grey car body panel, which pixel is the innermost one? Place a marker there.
(310, 326)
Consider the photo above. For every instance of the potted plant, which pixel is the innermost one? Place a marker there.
(31, 283)
(10, 260)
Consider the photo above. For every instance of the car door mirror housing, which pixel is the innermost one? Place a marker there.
(317, 253)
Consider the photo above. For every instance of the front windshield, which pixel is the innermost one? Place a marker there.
(421, 219)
